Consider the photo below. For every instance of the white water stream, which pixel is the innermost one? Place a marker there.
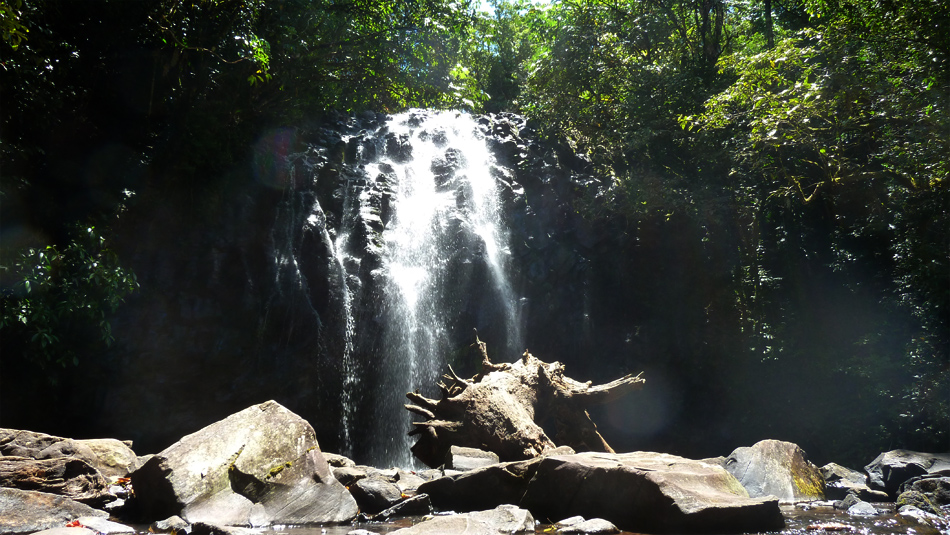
(432, 221)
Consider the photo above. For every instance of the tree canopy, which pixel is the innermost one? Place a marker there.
(805, 141)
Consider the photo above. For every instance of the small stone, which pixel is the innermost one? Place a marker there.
(338, 461)
(172, 523)
(594, 526)
(847, 502)
(465, 459)
(862, 509)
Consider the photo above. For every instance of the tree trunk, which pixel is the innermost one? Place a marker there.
(512, 409)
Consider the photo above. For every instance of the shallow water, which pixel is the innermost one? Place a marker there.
(798, 520)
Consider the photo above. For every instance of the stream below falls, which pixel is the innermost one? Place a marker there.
(799, 519)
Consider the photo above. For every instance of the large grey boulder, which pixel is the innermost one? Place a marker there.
(111, 457)
(504, 519)
(26, 511)
(644, 491)
(257, 467)
(776, 468)
(639, 491)
(889, 470)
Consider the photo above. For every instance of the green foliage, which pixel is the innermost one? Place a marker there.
(62, 294)
(821, 157)
(14, 32)
(497, 53)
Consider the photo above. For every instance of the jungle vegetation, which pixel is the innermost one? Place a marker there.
(805, 142)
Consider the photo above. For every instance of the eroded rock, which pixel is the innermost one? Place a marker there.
(111, 457)
(71, 477)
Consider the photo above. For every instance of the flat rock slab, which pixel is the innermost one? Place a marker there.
(26, 511)
(66, 531)
(639, 491)
(504, 519)
(257, 467)
(645, 491)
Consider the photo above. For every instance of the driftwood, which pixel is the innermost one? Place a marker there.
(512, 410)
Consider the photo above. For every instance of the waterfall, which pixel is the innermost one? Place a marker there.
(444, 228)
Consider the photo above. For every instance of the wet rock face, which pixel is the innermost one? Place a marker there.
(244, 283)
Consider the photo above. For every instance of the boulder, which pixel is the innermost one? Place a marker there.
(862, 509)
(841, 481)
(111, 457)
(71, 477)
(594, 526)
(348, 475)
(846, 503)
(259, 466)
(919, 500)
(114, 458)
(408, 482)
(374, 494)
(889, 470)
(170, 524)
(935, 487)
(336, 460)
(504, 519)
(463, 459)
(776, 468)
(646, 491)
(27, 511)
(639, 491)
(482, 488)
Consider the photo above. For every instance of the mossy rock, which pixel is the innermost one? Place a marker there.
(918, 500)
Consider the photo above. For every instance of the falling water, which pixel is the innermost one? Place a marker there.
(445, 207)
(348, 284)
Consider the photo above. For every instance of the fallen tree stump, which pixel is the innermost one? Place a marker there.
(512, 410)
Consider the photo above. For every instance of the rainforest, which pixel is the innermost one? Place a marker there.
(208, 204)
